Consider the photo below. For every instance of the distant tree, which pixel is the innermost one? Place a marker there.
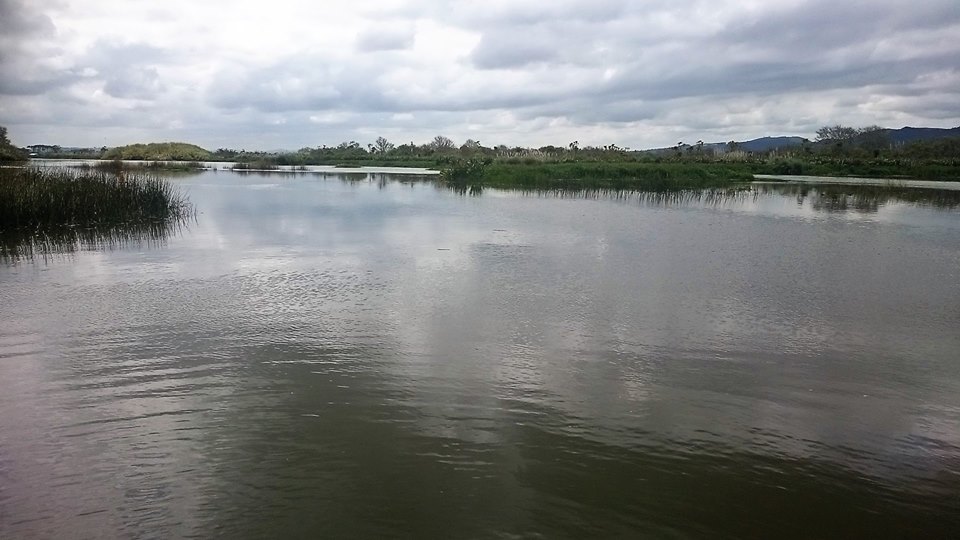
(836, 133)
(382, 145)
(9, 152)
(442, 144)
(873, 139)
(470, 147)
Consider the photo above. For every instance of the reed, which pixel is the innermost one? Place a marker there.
(36, 199)
(598, 175)
(258, 165)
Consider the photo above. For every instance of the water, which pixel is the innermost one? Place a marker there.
(317, 357)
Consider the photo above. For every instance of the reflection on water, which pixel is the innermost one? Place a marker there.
(819, 197)
(861, 198)
(320, 358)
(25, 245)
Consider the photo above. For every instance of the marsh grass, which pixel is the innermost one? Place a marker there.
(259, 165)
(43, 208)
(117, 166)
(599, 176)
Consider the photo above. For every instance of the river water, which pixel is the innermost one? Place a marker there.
(360, 356)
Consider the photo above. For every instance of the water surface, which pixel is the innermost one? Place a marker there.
(363, 357)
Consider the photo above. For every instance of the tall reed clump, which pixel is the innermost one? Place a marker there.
(33, 199)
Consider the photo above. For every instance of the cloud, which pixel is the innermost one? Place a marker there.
(636, 73)
(511, 50)
(28, 51)
(385, 38)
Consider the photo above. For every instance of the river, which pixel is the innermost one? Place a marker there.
(365, 355)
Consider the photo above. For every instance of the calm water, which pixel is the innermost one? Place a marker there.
(318, 357)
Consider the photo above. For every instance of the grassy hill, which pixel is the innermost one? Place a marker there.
(166, 151)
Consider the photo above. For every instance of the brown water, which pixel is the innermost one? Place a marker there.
(315, 357)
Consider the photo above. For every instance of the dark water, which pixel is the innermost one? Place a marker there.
(368, 358)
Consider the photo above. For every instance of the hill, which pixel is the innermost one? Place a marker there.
(166, 151)
(906, 135)
(766, 144)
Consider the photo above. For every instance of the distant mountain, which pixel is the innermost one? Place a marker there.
(763, 144)
(906, 135)
(766, 144)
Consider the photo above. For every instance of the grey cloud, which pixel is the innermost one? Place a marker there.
(19, 19)
(495, 13)
(512, 49)
(25, 46)
(386, 38)
(105, 53)
(297, 84)
(677, 66)
(822, 24)
(134, 82)
(128, 70)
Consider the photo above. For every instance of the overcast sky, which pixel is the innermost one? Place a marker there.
(291, 73)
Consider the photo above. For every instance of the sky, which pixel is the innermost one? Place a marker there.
(288, 74)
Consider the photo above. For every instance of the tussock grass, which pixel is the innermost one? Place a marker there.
(33, 198)
(50, 210)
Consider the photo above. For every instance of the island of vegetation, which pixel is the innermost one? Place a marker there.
(166, 151)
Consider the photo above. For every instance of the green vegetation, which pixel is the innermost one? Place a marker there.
(895, 168)
(838, 151)
(117, 166)
(258, 165)
(595, 175)
(168, 151)
(38, 200)
(9, 152)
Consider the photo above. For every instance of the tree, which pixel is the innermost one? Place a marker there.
(382, 145)
(470, 147)
(873, 138)
(9, 152)
(441, 144)
(836, 133)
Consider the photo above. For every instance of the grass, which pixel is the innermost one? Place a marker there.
(117, 166)
(61, 210)
(945, 170)
(596, 175)
(259, 165)
(35, 199)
